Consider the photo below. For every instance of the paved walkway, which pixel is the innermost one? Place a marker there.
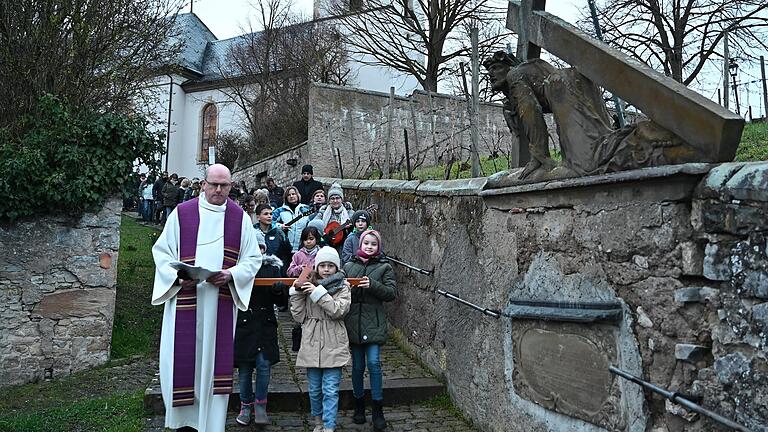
(407, 389)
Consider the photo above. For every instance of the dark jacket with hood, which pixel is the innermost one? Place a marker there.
(256, 329)
(366, 321)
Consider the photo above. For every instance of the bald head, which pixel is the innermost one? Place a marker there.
(218, 182)
(218, 169)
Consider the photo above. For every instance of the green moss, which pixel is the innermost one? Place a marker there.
(137, 322)
(444, 402)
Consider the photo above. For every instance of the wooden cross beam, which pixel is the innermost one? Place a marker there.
(697, 120)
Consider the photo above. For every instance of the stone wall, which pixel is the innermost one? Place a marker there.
(355, 121)
(681, 251)
(284, 167)
(57, 294)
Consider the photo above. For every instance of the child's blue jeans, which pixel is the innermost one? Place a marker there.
(362, 356)
(324, 394)
(263, 371)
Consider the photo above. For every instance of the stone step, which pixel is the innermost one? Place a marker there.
(287, 398)
(405, 381)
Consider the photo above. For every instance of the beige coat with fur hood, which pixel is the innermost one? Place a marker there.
(324, 341)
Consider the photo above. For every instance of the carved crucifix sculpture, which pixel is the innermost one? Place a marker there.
(684, 126)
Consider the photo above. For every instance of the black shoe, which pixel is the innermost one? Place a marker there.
(359, 416)
(377, 415)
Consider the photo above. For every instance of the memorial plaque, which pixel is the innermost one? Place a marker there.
(564, 367)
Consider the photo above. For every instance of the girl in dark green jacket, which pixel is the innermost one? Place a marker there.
(367, 324)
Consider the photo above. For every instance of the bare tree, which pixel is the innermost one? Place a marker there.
(91, 52)
(269, 74)
(422, 38)
(680, 37)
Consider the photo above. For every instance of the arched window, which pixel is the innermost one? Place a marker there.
(210, 120)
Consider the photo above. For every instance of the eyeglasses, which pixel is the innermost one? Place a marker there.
(335, 198)
(218, 185)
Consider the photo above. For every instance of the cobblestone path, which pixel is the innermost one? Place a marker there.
(414, 416)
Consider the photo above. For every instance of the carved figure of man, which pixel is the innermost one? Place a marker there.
(588, 142)
(525, 105)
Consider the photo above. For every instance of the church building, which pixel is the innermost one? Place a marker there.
(191, 104)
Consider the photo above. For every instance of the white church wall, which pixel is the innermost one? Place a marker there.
(188, 139)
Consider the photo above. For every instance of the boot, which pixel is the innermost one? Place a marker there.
(245, 414)
(377, 415)
(359, 416)
(318, 424)
(260, 414)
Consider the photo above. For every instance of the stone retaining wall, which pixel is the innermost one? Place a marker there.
(680, 249)
(356, 122)
(57, 294)
(284, 167)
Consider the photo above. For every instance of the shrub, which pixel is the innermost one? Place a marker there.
(56, 162)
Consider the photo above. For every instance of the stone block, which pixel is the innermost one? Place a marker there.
(716, 262)
(749, 183)
(693, 259)
(696, 294)
(755, 283)
(76, 303)
(760, 316)
(747, 219)
(713, 184)
(732, 367)
(691, 352)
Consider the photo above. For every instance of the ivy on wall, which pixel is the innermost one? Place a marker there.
(57, 162)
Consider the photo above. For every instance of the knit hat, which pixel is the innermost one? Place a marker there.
(361, 214)
(260, 240)
(335, 190)
(317, 223)
(307, 169)
(327, 254)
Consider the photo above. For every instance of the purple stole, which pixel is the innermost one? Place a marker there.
(186, 307)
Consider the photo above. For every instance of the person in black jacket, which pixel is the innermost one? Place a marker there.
(307, 185)
(256, 339)
(157, 192)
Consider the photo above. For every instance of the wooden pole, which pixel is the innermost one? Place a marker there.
(390, 120)
(726, 63)
(765, 88)
(432, 125)
(407, 155)
(736, 94)
(351, 127)
(475, 119)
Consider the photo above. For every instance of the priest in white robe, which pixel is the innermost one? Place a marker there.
(202, 406)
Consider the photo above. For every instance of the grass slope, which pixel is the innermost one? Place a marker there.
(137, 323)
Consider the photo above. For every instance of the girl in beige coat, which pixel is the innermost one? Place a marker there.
(320, 308)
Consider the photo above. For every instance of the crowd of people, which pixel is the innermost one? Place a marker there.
(299, 228)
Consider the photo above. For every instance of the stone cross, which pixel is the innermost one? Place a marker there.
(699, 121)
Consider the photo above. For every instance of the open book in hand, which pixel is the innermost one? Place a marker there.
(193, 273)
